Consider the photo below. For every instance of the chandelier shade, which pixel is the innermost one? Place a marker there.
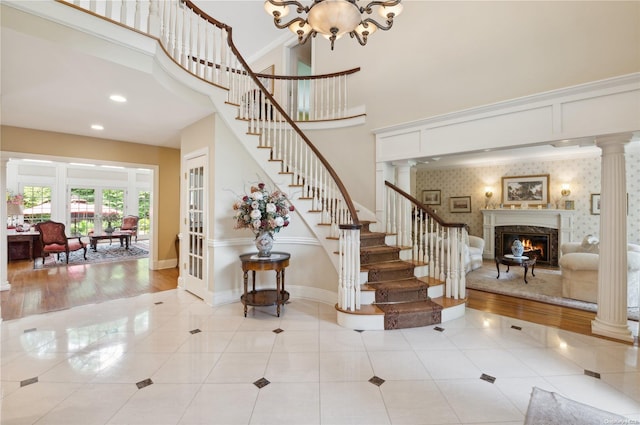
(333, 18)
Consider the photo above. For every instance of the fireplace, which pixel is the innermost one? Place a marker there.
(537, 240)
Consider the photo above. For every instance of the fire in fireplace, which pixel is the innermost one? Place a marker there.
(539, 241)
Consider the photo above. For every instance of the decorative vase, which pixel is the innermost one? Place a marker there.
(109, 229)
(264, 244)
(517, 249)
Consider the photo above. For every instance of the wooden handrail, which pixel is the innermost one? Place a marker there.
(424, 208)
(310, 77)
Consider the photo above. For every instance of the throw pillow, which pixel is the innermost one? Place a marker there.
(590, 244)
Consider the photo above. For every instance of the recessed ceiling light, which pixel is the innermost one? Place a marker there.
(118, 98)
(97, 127)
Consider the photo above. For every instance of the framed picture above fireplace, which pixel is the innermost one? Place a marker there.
(530, 190)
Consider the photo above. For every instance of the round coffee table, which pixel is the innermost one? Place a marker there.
(511, 260)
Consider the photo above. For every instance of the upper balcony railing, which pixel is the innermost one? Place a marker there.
(304, 98)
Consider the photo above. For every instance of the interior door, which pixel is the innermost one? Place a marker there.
(194, 252)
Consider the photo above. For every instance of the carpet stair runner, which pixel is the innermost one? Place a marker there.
(402, 297)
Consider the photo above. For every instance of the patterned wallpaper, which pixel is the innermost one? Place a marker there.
(582, 174)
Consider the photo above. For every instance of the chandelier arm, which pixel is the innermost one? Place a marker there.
(276, 22)
(300, 7)
(372, 4)
(303, 40)
(362, 41)
(378, 24)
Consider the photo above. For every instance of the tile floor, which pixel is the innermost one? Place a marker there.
(167, 358)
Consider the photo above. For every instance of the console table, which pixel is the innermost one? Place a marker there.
(23, 245)
(278, 261)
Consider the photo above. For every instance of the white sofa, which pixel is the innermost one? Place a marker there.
(473, 255)
(579, 266)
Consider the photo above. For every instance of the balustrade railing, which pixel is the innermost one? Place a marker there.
(432, 241)
(204, 47)
(313, 97)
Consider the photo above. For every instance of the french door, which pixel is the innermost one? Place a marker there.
(194, 249)
(94, 209)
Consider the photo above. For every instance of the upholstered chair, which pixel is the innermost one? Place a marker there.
(579, 264)
(130, 223)
(54, 240)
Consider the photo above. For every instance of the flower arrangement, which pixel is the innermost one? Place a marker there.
(262, 211)
(17, 199)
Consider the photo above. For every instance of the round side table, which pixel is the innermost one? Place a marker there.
(278, 261)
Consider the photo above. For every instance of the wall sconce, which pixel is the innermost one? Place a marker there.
(565, 190)
(488, 193)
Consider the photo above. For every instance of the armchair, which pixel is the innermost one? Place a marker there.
(54, 240)
(130, 223)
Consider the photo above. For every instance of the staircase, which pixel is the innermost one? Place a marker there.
(396, 293)
(377, 284)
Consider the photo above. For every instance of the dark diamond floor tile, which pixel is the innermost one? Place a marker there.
(518, 328)
(278, 330)
(488, 378)
(439, 329)
(144, 383)
(195, 331)
(159, 302)
(376, 380)
(28, 381)
(592, 373)
(30, 330)
(262, 382)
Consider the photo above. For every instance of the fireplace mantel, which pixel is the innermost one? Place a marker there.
(551, 218)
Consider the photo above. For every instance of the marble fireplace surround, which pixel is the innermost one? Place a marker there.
(562, 220)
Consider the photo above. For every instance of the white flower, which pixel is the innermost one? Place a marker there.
(271, 208)
(279, 221)
(256, 214)
(257, 195)
(257, 224)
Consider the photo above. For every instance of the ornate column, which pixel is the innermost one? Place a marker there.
(611, 320)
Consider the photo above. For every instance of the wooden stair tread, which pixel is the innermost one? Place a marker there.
(365, 309)
(398, 284)
(411, 307)
(448, 302)
(389, 265)
(379, 248)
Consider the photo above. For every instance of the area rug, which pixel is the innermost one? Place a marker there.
(545, 287)
(106, 253)
(551, 408)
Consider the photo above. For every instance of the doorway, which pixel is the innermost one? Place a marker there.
(194, 249)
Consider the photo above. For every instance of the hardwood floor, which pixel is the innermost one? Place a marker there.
(39, 291)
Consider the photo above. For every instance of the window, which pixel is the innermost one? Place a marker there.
(144, 206)
(37, 204)
(81, 211)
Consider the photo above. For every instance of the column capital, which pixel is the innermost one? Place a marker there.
(618, 139)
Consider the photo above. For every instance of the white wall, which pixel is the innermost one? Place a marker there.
(310, 274)
(446, 56)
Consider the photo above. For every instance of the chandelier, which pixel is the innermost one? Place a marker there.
(333, 18)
